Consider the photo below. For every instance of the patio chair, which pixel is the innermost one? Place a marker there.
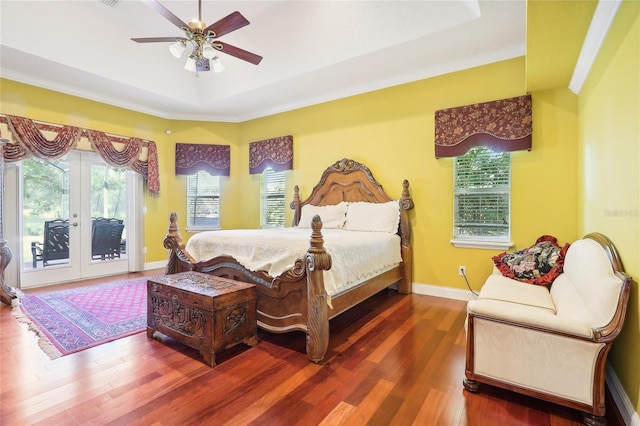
(105, 238)
(55, 245)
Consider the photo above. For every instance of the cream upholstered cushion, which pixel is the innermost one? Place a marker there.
(581, 298)
(528, 316)
(587, 294)
(569, 300)
(498, 287)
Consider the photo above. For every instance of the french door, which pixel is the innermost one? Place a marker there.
(73, 219)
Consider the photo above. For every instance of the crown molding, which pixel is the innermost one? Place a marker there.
(600, 24)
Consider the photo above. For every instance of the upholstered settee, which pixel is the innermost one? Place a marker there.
(551, 342)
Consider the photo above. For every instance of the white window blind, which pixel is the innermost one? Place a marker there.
(272, 199)
(203, 201)
(482, 186)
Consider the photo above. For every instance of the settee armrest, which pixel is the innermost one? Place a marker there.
(530, 317)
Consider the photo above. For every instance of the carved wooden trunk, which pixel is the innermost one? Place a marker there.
(201, 311)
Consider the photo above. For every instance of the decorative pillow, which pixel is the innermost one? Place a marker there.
(380, 217)
(333, 216)
(539, 264)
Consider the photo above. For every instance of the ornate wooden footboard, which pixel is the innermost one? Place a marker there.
(297, 299)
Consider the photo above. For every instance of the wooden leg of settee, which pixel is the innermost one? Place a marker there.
(587, 418)
(470, 385)
(593, 420)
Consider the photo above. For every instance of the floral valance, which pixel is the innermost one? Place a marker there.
(276, 153)
(52, 141)
(504, 125)
(129, 156)
(192, 158)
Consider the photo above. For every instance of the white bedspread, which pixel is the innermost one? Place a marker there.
(355, 256)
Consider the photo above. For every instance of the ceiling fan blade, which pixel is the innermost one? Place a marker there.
(237, 52)
(156, 39)
(227, 24)
(153, 4)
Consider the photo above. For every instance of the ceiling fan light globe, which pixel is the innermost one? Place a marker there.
(216, 65)
(191, 64)
(208, 51)
(177, 48)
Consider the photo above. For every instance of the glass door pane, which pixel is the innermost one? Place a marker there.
(74, 219)
(108, 213)
(45, 214)
(49, 223)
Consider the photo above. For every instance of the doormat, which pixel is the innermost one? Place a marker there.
(69, 321)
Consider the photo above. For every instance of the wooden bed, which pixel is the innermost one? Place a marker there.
(297, 299)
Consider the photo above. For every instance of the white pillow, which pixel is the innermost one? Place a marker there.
(380, 217)
(333, 216)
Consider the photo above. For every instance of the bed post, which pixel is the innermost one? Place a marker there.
(295, 205)
(317, 261)
(173, 242)
(406, 204)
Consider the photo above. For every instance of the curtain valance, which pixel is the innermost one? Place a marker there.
(192, 158)
(504, 125)
(276, 153)
(29, 140)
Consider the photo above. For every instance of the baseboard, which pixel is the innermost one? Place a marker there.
(155, 265)
(439, 291)
(620, 398)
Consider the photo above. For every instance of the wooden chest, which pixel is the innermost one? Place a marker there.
(201, 311)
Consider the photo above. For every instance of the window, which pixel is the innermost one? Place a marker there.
(203, 201)
(482, 183)
(272, 199)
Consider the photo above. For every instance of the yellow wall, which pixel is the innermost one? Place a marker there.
(231, 190)
(391, 131)
(555, 32)
(54, 107)
(609, 202)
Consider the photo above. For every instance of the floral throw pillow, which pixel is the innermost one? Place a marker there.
(539, 264)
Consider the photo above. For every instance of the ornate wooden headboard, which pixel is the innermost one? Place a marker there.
(348, 180)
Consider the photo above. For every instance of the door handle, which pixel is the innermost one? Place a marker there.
(75, 223)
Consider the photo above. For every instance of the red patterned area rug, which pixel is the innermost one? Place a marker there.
(69, 321)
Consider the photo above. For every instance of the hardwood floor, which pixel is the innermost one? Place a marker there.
(393, 360)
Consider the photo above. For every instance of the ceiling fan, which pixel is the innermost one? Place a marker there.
(202, 38)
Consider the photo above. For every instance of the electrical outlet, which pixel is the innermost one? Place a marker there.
(462, 271)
